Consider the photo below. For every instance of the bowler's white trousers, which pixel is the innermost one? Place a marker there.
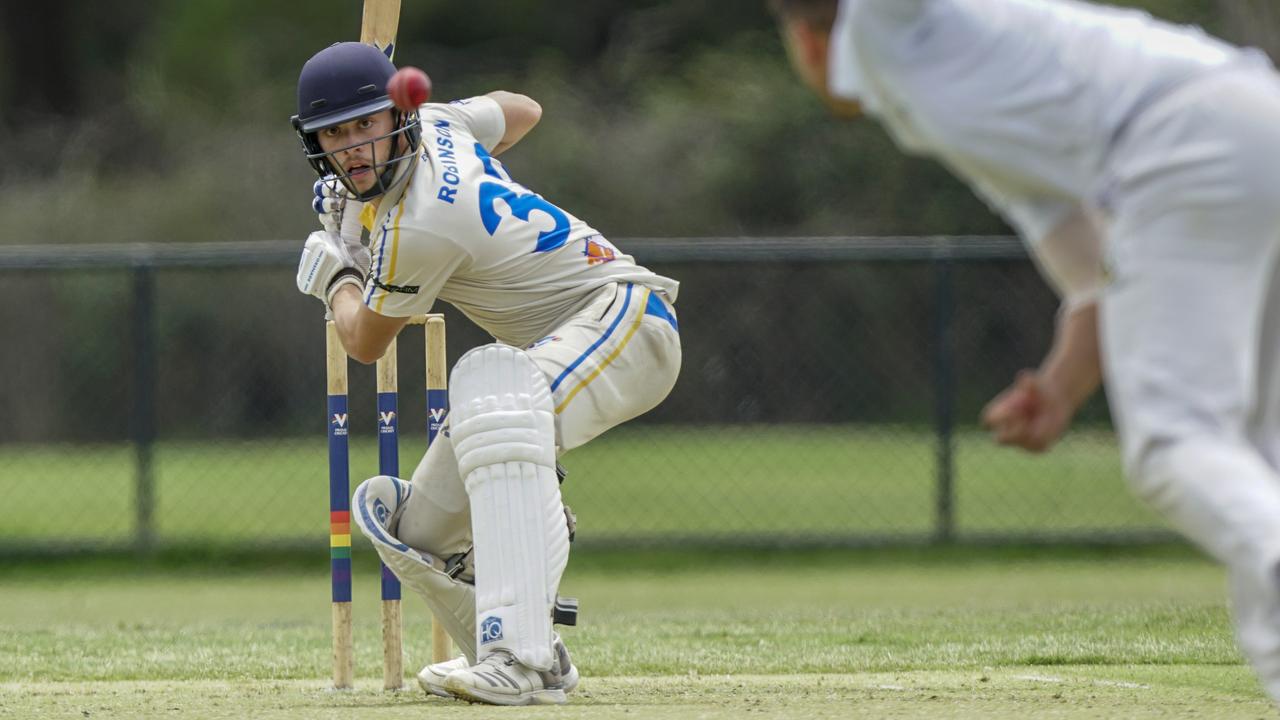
(1190, 326)
(614, 360)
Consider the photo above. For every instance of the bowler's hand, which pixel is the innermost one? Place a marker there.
(1030, 413)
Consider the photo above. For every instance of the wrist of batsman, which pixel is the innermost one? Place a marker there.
(345, 276)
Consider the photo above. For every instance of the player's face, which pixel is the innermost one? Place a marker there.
(359, 144)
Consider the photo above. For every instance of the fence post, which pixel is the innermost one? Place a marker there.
(143, 413)
(944, 394)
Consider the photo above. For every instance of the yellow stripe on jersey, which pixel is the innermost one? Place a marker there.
(368, 215)
(389, 278)
(635, 325)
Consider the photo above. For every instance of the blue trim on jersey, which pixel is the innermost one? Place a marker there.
(657, 308)
(492, 167)
(613, 326)
(377, 266)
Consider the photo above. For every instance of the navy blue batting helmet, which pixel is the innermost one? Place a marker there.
(341, 83)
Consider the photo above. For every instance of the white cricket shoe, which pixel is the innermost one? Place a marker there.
(500, 679)
(431, 678)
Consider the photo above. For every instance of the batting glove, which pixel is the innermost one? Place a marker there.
(340, 214)
(325, 266)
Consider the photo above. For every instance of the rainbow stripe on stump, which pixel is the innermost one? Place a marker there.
(339, 510)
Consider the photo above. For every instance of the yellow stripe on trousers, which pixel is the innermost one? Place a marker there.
(635, 325)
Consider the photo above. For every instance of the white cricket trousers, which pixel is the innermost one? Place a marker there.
(616, 359)
(1190, 329)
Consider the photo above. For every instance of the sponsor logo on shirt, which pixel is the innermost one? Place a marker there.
(403, 289)
(598, 253)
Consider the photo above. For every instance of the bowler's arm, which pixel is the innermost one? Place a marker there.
(1071, 259)
(1074, 363)
(1034, 412)
(1036, 409)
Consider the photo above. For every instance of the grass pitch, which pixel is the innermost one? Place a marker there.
(897, 634)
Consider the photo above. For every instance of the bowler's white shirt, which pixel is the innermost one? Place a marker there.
(1022, 98)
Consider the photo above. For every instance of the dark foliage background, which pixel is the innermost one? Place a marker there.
(136, 121)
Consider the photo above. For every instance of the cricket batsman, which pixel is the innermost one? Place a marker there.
(1140, 163)
(585, 340)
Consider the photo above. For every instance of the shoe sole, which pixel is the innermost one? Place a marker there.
(475, 695)
(433, 683)
(434, 689)
(439, 690)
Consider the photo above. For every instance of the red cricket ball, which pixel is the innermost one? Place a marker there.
(409, 88)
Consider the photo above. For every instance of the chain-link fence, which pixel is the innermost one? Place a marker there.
(164, 396)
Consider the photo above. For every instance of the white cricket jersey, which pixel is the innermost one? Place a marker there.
(1023, 98)
(462, 230)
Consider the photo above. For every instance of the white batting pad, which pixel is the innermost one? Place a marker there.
(504, 438)
(376, 509)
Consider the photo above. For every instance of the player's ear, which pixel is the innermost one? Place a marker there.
(807, 47)
(814, 43)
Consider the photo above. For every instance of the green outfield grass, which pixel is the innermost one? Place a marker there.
(902, 634)
(778, 482)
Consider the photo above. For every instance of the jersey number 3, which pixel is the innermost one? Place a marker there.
(522, 204)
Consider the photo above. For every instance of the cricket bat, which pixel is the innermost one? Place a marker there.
(378, 25)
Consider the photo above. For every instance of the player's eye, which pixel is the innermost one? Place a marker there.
(366, 123)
